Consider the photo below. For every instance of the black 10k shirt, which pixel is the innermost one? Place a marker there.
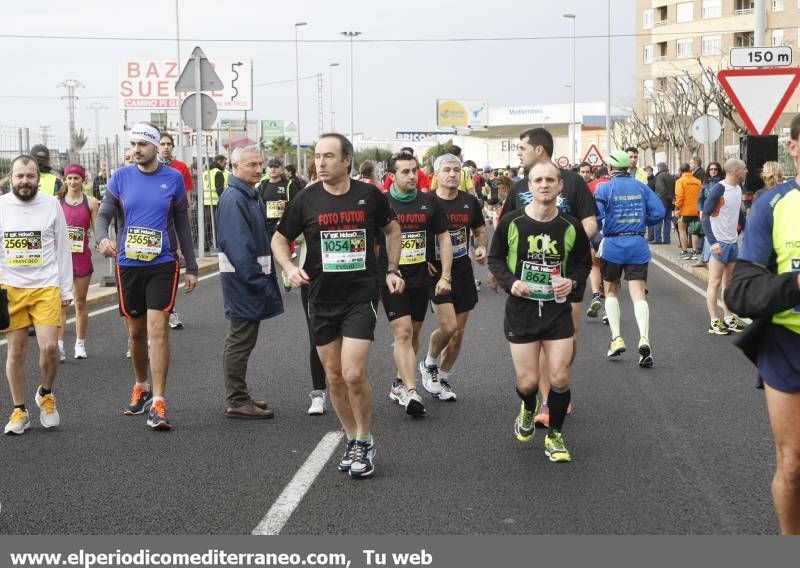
(340, 232)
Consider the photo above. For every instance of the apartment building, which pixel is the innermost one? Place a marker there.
(672, 34)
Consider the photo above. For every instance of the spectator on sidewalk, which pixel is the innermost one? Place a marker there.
(664, 186)
(696, 163)
(687, 191)
(713, 176)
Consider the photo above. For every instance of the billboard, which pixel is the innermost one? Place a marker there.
(271, 129)
(150, 84)
(462, 113)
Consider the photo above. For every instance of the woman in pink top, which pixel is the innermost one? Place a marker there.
(80, 211)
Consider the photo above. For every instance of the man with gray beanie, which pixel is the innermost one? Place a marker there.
(665, 189)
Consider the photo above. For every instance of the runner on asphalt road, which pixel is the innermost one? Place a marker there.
(149, 200)
(538, 256)
(424, 229)
(339, 219)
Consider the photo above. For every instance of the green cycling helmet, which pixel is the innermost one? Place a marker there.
(618, 159)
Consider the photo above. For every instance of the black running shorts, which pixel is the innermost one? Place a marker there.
(143, 288)
(412, 302)
(612, 272)
(463, 294)
(527, 321)
(332, 321)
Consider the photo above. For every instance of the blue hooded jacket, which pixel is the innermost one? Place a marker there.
(249, 285)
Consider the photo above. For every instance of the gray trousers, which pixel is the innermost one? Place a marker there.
(241, 340)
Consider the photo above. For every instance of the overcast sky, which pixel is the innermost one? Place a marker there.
(396, 83)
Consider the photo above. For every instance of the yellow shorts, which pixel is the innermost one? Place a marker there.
(33, 306)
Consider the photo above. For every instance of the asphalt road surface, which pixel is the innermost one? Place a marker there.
(683, 448)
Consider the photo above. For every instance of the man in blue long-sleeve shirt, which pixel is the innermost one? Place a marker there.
(627, 207)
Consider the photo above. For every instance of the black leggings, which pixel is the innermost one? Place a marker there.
(317, 370)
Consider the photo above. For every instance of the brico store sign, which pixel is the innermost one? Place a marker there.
(150, 84)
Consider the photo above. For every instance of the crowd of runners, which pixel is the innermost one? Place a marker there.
(408, 242)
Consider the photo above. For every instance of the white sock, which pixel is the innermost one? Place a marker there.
(157, 398)
(612, 311)
(144, 385)
(444, 375)
(429, 362)
(80, 342)
(642, 311)
(60, 345)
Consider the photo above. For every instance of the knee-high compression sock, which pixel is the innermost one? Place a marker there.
(642, 311)
(528, 399)
(558, 401)
(612, 311)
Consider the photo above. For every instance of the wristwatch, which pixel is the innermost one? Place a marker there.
(396, 272)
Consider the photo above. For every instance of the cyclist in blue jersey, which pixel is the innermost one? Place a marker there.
(627, 207)
(149, 199)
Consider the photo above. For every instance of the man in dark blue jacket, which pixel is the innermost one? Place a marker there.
(249, 285)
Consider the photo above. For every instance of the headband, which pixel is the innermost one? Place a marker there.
(75, 169)
(146, 133)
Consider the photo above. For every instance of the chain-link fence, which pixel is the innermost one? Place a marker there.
(96, 153)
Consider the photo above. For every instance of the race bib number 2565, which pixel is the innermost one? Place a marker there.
(142, 244)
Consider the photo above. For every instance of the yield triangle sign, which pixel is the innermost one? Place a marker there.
(209, 80)
(759, 95)
(593, 157)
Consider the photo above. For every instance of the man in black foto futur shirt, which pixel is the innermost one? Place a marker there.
(339, 218)
(536, 146)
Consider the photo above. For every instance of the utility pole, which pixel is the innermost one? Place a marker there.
(71, 85)
(759, 32)
(44, 134)
(97, 107)
(320, 109)
(351, 35)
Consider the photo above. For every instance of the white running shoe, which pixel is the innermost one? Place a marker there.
(49, 416)
(62, 355)
(430, 379)
(175, 321)
(80, 351)
(317, 402)
(18, 422)
(447, 392)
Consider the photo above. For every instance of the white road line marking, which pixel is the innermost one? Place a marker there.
(683, 280)
(277, 516)
(116, 307)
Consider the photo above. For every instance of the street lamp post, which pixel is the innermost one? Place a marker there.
(351, 35)
(333, 113)
(297, 84)
(572, 123)
(608, 94)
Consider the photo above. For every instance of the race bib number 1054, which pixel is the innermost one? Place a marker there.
(344, 251)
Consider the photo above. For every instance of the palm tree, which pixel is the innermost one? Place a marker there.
(77, 142)
(279, 147)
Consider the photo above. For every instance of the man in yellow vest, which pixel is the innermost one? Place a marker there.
(216, 179)
(49, 183)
